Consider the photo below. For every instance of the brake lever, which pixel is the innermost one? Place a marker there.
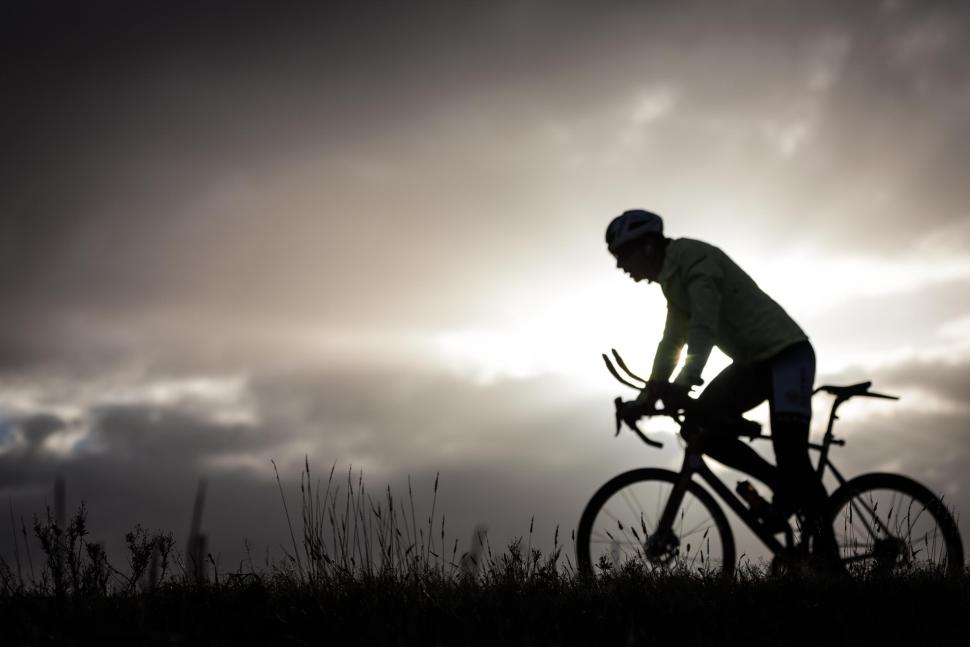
(643, 436)
(617, 403)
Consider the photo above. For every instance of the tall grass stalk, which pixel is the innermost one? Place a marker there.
(16, 550)
(289, 523)
(348, 533)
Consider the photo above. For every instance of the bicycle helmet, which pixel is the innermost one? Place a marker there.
(630, 226)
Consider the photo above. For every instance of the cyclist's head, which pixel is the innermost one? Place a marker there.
(631, 227)
(636, 240)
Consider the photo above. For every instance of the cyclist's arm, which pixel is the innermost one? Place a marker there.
(672, 342)
(704, 279)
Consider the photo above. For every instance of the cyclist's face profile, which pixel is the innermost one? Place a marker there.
(631, 262)
(639, 263)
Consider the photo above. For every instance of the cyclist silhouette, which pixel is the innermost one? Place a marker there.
(713, 302)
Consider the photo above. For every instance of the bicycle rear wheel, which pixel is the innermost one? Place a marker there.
(620, 525)
(887, 524)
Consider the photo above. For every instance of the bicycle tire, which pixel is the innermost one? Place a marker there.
(906, 548)
(586, 532)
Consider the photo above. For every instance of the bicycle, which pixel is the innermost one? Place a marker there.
(884, 523)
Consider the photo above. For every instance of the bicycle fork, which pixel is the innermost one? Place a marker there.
(692, 463)
(664, 540)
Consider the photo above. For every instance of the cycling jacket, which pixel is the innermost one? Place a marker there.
(713, 302)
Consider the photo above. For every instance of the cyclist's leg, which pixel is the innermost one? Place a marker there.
(792, 378)
(736, 389)
(801, 486)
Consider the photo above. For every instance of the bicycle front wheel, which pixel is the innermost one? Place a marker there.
(620, 525)
(887, 524)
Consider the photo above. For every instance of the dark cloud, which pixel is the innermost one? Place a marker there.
(499, 464)
(36, 429)
(158, 439)
(904, 79)
(204, 158)
(947, 379)
(167, 434)
(142, 464)
(142, 113)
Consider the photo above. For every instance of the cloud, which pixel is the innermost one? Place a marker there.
(231, 179)
(506, 450)
(168, 434)
(29, 434)
(828, 60)
(877, 329)
(652, 105)
(940, 378)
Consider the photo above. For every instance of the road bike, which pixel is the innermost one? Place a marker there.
(885, 524)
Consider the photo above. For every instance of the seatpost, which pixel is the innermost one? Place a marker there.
(829, 437)
(842, 394)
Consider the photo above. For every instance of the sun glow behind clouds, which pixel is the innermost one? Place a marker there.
(564, 327)
(562, 331)
(809, 281)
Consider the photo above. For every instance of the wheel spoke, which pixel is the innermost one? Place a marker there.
(611, 529)
(613, 542)
(892, 524)
(626, 496)
(696, 529)
(639, 506)
(684, 511)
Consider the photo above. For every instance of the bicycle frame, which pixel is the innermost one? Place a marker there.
(694, 464)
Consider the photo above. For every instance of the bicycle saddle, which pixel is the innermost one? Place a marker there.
(846, 391)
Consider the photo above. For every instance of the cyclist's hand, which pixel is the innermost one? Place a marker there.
(634, 410)
(652, 392)
(645, 403)
(676, 396)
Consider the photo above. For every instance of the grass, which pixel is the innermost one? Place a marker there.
(362, 569)
(348, 534)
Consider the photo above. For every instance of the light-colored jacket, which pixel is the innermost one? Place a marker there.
(713, 302)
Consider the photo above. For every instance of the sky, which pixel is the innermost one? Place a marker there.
(370, 236)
